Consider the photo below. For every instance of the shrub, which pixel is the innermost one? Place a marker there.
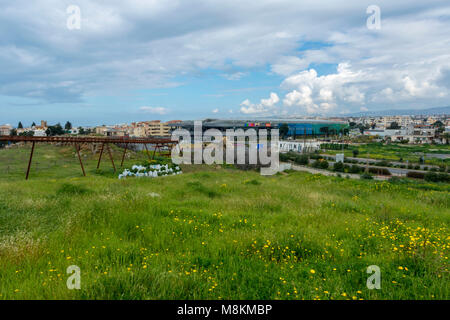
(437, 177)
(415, 175)
(366, 176)
(284, 157)
(425, 168)
(355, 169)
(338, 167)
(316, 164)
(417, 167)
(302, 159)
(380, 171)
(355, 152)
(323, 164)
(316, 157)
(383, 163)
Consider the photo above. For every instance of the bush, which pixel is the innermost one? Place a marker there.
(316, 164)
(316, 157)
(437, 177)
(284, 157)
(417, 167)
(380, 171)
(355, 169)
(415, 175)
(302, 159)
(338, 167)
(383, 163)
(324, 164)
(355, 152)
(425, 168)
(366, 176)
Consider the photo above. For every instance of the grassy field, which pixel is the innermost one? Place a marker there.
(396, 152)
(215, 233)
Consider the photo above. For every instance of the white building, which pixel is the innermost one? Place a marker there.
(5, 130)
(39, 133)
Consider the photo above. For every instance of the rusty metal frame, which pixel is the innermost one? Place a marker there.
(77, 141)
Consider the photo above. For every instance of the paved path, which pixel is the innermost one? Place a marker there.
(368, 160)
(297, 167)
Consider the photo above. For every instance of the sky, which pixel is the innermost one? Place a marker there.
(105, 62)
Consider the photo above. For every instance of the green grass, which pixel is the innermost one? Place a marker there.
(395, 152)
(216, 233)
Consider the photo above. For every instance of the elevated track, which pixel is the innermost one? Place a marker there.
(157, 143)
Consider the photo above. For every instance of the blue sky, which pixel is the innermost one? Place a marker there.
(144, 60)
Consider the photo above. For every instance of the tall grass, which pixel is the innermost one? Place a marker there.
(219, 233)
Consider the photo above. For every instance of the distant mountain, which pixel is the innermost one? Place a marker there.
(400, 112)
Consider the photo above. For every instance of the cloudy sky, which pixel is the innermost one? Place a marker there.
(139, 60)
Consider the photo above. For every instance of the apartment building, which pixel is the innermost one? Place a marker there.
(157, 128)
(402, 121)
(5, 130)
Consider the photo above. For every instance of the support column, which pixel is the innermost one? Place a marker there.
(146, 149)
(124, 153)
(100, 157)
(29, 161)
(77, 147)
(154, 151)
(110, 156)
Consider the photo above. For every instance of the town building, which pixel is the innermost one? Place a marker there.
(5, 130)
(296, 127)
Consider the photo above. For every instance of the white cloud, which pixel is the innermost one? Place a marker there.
(321, 94)
(234, 76)
(215, 110)
(288, 65)
(154, 110)
(265, 105)
(136, 45)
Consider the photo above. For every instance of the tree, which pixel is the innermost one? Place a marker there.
(446, 136)
(361, 127)
(54, 130)
(355, 152)
(394, 125)
(27, 133)
(33, 124)
(68, 126)
(440, 127)
(284, 130)
(438, 124)
(13, 132)
(20, 126)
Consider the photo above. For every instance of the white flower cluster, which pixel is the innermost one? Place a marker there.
(151, 171)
